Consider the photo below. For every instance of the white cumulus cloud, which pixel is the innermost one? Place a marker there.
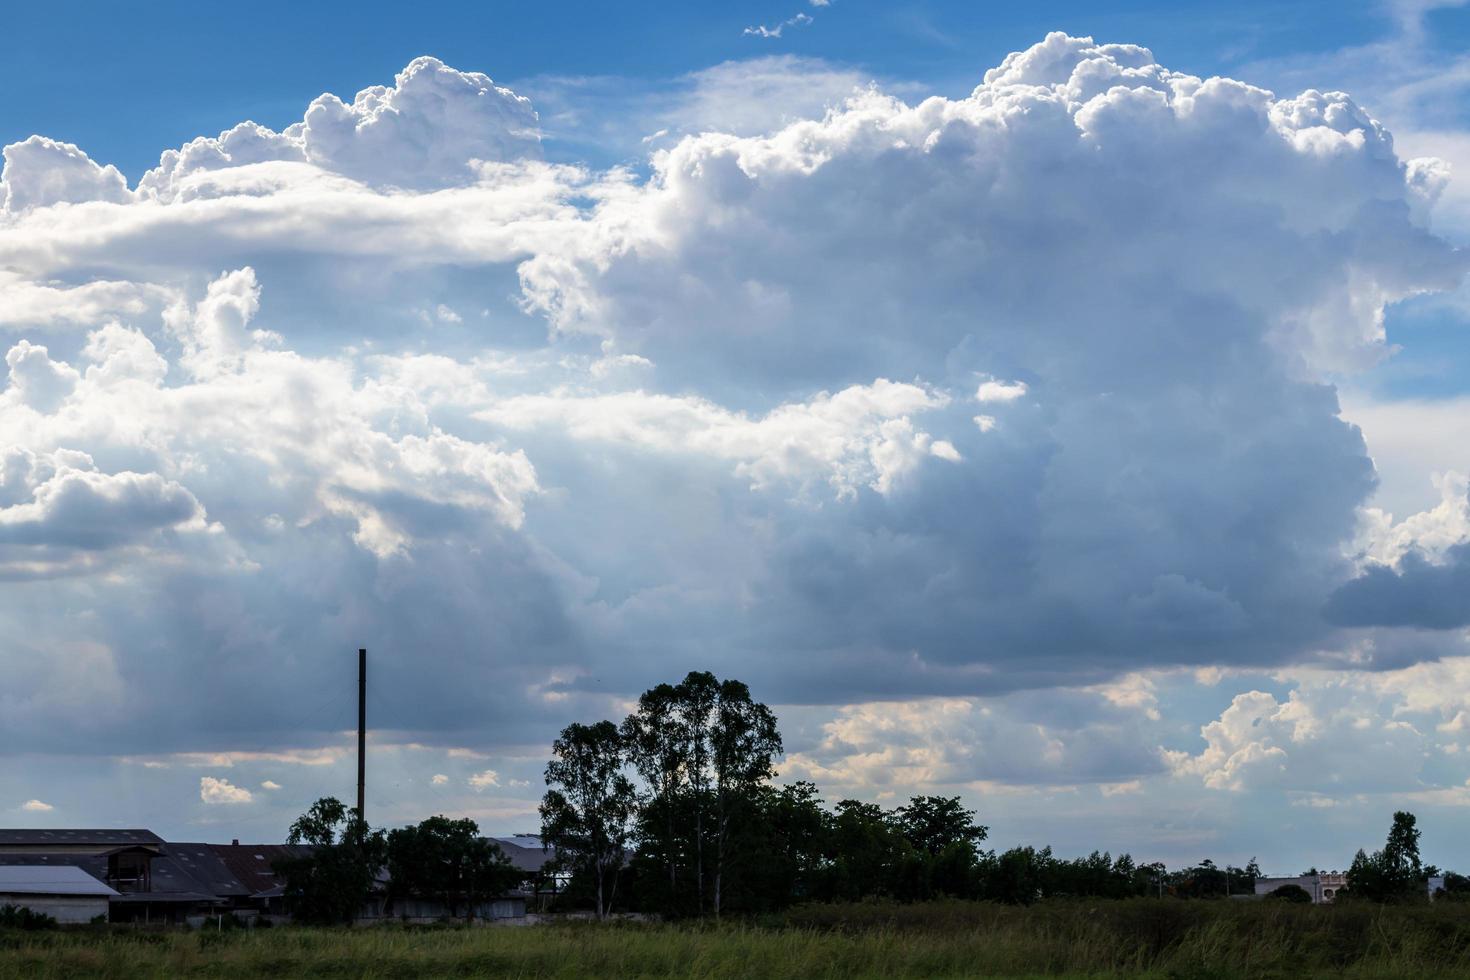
(219, 791)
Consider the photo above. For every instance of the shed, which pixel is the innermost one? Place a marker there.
(67, 894)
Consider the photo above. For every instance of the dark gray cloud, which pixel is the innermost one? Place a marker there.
(1417, 593)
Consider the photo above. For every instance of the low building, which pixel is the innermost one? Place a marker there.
(543, 880)
(253, 867)
(151, 881)
(136, 876)
(67, 894)
(1321, 886)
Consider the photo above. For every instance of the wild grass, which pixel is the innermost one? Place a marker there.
(1169, 939)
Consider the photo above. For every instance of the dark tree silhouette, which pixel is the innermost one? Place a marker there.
(588, 813)
(447, 860)
(332, 884)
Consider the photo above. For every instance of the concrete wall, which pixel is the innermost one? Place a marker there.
(422, 910)
(62, 908)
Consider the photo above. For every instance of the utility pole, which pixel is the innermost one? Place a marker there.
(361, 732)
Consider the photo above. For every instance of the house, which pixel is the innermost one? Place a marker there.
(67, 894)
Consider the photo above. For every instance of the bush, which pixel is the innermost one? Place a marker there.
(1290, 893)
(20, 917)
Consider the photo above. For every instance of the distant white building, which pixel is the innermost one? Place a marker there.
(67, 894)
(1323, 887)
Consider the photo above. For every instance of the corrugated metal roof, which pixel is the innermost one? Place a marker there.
(93, 864)
(202, 866)
(525, 851)
(251, 863)
(30, 879)
(111, 838)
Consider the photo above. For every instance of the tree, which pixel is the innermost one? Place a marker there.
(1456, 888)
(447, 860)
(1394, 873)
(945, 838)
(1401, 850)
(863, 852)
(658, 746)
(331, 885)
(587, 814)
(744, 743)
(694, 708)
(933, 823)
(1020, 875)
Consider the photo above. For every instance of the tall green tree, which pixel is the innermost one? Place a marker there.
(658, 745)
(695, 701)
(587, 813)
(447, 860)
(331, 885)
(744, 743)
(1394, 873)
(1401, 850)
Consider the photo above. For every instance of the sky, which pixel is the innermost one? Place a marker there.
(1067, 409)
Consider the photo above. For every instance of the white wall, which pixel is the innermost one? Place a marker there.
(62, 908)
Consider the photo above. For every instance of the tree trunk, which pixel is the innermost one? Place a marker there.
(699, 850)
(669, 844)
(600, 914)
(719, 857)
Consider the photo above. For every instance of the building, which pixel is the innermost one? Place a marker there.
(1322, 886)
(137, 876)
(151, 880)
(67, 894)
(253, 867)
(531, 855)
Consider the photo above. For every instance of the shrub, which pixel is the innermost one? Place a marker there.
(20, 917)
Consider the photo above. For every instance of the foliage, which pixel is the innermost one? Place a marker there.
(1393, 874)
(1290, 893)
(933, 823)
(1208, 880)
(448, 861)
(705, 750)
(588, 813)
(20, 917)
(744, 743)
(1456, 888)
(331, 885)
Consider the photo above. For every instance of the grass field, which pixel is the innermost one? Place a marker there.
(1072, 939)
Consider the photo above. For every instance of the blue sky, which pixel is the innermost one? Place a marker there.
(201, 70)
(1090, 441)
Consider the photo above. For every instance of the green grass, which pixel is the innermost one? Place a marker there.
(1168, 939)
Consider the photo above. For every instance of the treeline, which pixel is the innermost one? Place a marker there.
(674, 811)
(440, 860)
